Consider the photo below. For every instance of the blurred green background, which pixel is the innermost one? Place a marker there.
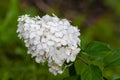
(97, 20)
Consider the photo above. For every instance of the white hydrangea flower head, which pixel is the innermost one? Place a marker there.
(49, 39)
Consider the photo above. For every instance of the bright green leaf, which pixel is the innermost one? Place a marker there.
(97, 50)
(112, 59)
(91, 72)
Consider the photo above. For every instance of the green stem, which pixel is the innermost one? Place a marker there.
(84, 61)
(72, 71)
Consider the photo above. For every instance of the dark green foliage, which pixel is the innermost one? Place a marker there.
(77, 77)
(102, 56)
(112, 59)
(91, 72)
(97, 49)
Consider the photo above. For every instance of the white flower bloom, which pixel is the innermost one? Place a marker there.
(50, 39)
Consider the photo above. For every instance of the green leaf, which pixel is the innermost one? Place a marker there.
(77, 77)
(116, 77)
(112, 59)
(97, 50)
(91, 72)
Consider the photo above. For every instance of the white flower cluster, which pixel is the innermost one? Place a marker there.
(49, 39)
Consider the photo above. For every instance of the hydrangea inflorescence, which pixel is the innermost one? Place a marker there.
(49, 39)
